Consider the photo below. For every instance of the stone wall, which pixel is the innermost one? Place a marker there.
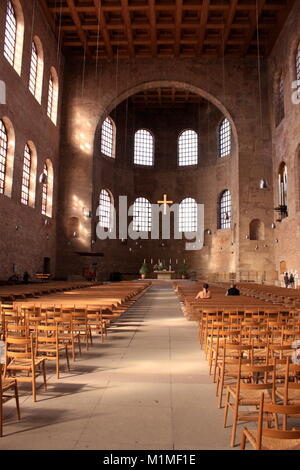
(27, 247)
(84, 172)
(285, 142)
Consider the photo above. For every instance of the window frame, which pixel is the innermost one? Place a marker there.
(195, 134)
(112, 144)
(185, 224)
(224, 142)
(223, 205)
(150, 134)
(142, 222)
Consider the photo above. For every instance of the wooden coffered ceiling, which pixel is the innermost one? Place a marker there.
(167, 97)
(108, 29)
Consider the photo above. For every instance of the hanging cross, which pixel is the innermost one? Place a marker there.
(165, 202)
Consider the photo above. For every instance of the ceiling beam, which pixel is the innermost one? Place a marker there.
(153, 27)
(127, 21)
(253, 19)
(178, 19)
(203, 23)
(102, 22)
(228, 25)
(76, 19)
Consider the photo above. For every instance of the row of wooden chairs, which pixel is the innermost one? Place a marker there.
(34, 334)
(252, 359)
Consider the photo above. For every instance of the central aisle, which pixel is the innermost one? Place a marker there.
(147, 387)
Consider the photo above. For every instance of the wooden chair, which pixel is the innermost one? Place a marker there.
(251, 381)
(24, 363)
(66, 333)
(272, 439)
(48, 346)
(227, 369)
(96, 322)
(7, 385)
(81, 326)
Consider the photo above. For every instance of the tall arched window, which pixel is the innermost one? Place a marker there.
(47, 181)
(188, 215)
(141, 215)
(108, 136)
(36, 69)
(224, 138)
(279, 100)
(283, 188)
(143, 148)
(26, 176)
(188, 148)
(298, 70)
(104, 211)
(29, 175)
(53, 96)
(13, 35)
(3, 155)
(224, 210)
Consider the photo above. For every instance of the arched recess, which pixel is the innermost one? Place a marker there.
(257, 230)
(11, 143)
(169, 84)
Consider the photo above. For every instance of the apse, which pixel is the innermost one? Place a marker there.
(166, 145)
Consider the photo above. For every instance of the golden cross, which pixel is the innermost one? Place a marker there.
(165, 202)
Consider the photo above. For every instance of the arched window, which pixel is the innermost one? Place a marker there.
(224, 210)
(298, 69)
(47, 181)
(188, 215)
(280, 100)
(257, 230)
(224, 138)
(141, 215)
(36, 69)
(143, 148)
(13, 35)
(26, 176)
(298, 62)
(188, 148)
(283, 188)
(104, 211)
(53, 96)
(108, 136)
(3, 155)
(29, 175)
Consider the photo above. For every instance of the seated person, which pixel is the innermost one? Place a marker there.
(204, 293)
(233, 290)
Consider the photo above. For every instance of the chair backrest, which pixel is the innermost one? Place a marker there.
(19, 347)
(277, 434)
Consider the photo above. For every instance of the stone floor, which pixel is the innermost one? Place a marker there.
(146, 388)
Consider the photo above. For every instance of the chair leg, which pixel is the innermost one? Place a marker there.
(1, 417)
(67, 357)
(234, 424)
(44, 375)
(17, 400)
(243, 441)
(57, 365)
(33, 386)
(226, 408)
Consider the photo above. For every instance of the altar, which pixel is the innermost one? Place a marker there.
(164, 275)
